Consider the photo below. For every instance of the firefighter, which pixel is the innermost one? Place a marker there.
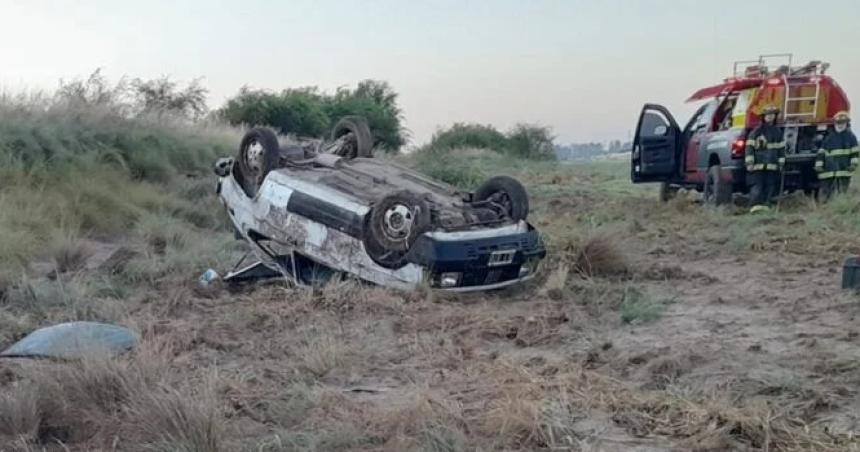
(765, 157)
(838, 157)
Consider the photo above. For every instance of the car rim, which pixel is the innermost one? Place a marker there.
(502, 199)
(398, 222)
(254, 157)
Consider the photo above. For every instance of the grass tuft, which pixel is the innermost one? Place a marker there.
(639, 308)
(599, 255)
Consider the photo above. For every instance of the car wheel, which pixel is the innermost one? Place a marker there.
(393, 225)
(358, 139)
(506, 192)
(716, 191)
(258, 154)
(667, 192)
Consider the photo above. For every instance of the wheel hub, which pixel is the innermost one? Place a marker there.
(398, 221)
(254, 157)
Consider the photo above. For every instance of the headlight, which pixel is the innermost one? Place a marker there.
(450, 279)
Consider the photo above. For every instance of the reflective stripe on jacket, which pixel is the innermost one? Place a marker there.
(839, 155)
(765, 149)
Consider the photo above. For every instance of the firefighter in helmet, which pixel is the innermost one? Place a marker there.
(765, 157)
(838, 157)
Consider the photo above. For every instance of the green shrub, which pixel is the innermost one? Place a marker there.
(531, 142)
(476, 136)
(86, 159)
(523, 140)
(312, 113)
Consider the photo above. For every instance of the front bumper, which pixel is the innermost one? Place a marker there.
(478, 263)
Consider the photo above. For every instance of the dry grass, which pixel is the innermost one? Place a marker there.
(599, 255)
(321, 353)
(20, 413)
(68, 251)
(170, 420)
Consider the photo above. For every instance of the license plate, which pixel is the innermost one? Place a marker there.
(501, 258)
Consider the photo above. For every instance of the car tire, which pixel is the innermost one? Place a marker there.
(716, 191)
(394, 223)
(362, 143)
(258, 155)
(507, 192)
(667, 192)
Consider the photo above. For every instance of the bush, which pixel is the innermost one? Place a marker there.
(476, 136)
(524, 140)
(311, 113)
(531, 142)
(92, 159)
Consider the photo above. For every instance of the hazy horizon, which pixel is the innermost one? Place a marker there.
(583, 69)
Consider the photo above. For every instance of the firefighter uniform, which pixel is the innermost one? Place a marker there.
(838, 158)
(764, 160)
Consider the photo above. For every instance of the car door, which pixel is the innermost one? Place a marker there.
(655, 155)
(697, 132)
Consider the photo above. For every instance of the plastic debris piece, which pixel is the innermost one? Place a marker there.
(208, 278)
(73, 340)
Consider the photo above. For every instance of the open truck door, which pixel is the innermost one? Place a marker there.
(655, 156)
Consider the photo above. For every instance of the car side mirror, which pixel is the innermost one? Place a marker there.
(660, 130)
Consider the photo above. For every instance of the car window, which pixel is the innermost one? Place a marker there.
(654, 124)
(703, 121)
(742, 104)
(695, 119)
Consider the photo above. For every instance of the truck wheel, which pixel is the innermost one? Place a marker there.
(258, 154)
(394, 223)
(667, 192)
(359, 140)
(508, 193)
(716, 191)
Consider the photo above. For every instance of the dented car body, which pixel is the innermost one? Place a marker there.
(318, 213)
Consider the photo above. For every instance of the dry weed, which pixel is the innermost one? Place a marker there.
(68, 251)
(171, 420)
(424, 421)
(322, 353)
(20, 412)
(599, 255)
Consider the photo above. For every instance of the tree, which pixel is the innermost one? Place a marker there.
(531, 141)
(309, 112)
(163, 96)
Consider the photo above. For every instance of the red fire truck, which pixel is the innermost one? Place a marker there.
(707, 154)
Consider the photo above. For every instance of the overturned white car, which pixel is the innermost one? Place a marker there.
(312, 209)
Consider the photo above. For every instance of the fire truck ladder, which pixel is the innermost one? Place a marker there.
(799, 109)
(795, 84)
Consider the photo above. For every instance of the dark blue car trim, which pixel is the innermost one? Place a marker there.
(326, 213)
(471, 256)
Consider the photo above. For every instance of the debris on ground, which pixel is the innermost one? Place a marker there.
(73, 340)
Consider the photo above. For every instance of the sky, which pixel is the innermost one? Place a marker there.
(583, 68)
